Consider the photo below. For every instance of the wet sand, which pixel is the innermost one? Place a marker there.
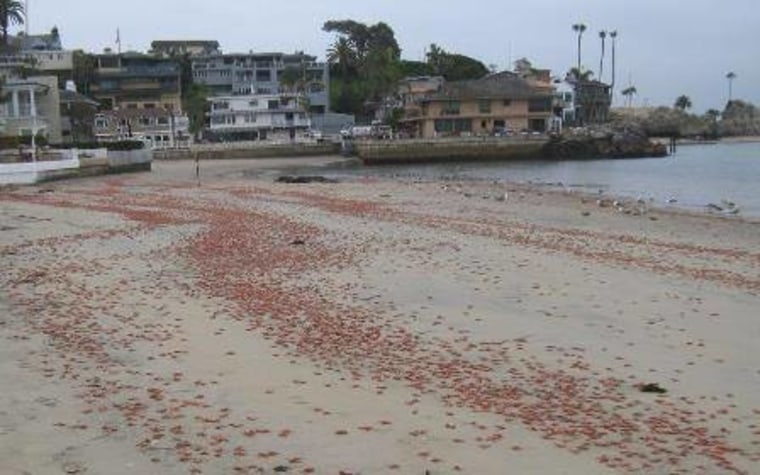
(151, 325)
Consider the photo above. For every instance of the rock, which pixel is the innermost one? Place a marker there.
(298, 242)
(651, 388)
(586, 213)
(304, 179)
(72, 467)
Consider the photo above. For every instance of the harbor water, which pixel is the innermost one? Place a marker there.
(693, 178)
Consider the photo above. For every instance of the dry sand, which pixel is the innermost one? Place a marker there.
(150, 325)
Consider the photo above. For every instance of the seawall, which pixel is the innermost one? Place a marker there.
(442, 149)
(248, 150)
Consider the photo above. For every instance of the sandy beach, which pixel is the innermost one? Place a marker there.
(153, 325)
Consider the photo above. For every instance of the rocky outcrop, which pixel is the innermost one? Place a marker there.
(603, 142)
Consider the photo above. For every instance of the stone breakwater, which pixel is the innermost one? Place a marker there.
(569, 146)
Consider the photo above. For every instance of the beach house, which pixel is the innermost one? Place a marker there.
(501, 103)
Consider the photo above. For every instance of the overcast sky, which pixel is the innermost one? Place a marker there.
(665, 47)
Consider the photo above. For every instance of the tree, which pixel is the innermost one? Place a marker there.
(83, 70)
(740, 118)
(713, 114)
(11, 13)
(629, 92)
(453, 66)
(683, 103)
(579, 29)
(603, 37)
(291, 79)
(575, 75)
(196, 106)
(613, 34)
(364, 62)
(731, 76)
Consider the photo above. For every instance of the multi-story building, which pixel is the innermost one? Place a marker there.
(159, 128)
(265, 73)
(498, 103)
(43, 54)
(136, 81)
(257, 116)
(169, 48)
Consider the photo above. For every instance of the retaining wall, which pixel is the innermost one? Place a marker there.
(414, 151)
(227, 151)
(75, 163)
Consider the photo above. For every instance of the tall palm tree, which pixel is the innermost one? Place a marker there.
(683, 103)
(731, 76)
(603, 37)
(613, 34)
(629, 92)
(11, 13)
(579, 28)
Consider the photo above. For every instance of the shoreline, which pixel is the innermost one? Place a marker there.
(369, 326)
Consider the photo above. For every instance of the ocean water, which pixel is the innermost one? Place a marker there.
(694, 177)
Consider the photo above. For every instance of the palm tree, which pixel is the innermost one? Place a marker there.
(579, 76)
(629, 92)
(603, 37)
(713, 114)
(579, 28)
(11, 13)
(683, 103)
(343, 54)
(730, 76)
(613, 35)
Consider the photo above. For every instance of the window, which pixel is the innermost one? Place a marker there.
(149, 105)
(101, 123)
(453, 126)
(131, 106)
(507, 102)
(541, 104)
(485, 106)
(254, 103)
(144, 121)
(450, 108)
(162, 121)
(221, 105)
(264, 75)
(273, 105)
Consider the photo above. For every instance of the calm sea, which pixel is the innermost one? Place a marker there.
(692, 178)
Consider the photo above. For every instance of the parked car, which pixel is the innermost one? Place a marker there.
(315, 134)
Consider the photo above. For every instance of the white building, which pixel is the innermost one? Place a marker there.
(564, 106)
(31, 107)
(255, 117)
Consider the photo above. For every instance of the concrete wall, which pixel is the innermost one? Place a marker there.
(75, 163)
(34, 172)
(253, 150)
(411, 151)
